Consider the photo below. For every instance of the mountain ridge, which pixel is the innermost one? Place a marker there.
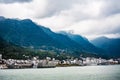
(110, 45)
(27, 33)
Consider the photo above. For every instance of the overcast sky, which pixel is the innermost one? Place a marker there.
(90, 18)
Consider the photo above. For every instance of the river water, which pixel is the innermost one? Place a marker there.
(63, 73)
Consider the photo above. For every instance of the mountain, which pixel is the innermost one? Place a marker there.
(11, 51)
(63, 39)
(26, 33)
(1, 18)
(110, 45)
(83, 41)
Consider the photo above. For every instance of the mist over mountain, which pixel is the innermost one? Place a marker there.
(83, 41)
(110, 45)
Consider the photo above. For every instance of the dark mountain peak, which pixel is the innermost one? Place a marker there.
(102, 38)
(63, 32)
(66, 32)
(15, 20)
(45, 29)
(72, 35)
(110, 45)
(27, 20)
(2, 18)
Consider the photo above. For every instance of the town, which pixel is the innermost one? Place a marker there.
(52, 62)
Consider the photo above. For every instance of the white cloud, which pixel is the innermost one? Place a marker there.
(15, 10)
(108, 26)
(24, 10)
(105, 25)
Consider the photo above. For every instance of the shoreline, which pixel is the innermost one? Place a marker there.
(57, 67)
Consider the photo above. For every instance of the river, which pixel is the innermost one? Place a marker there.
(111, 72)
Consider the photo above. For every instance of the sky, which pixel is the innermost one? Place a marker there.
(89, 18)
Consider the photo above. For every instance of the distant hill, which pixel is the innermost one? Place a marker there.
(111, 46)
(84, 42)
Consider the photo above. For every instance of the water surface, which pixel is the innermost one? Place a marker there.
(63, 73)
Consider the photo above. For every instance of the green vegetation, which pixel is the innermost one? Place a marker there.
(11, 51)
